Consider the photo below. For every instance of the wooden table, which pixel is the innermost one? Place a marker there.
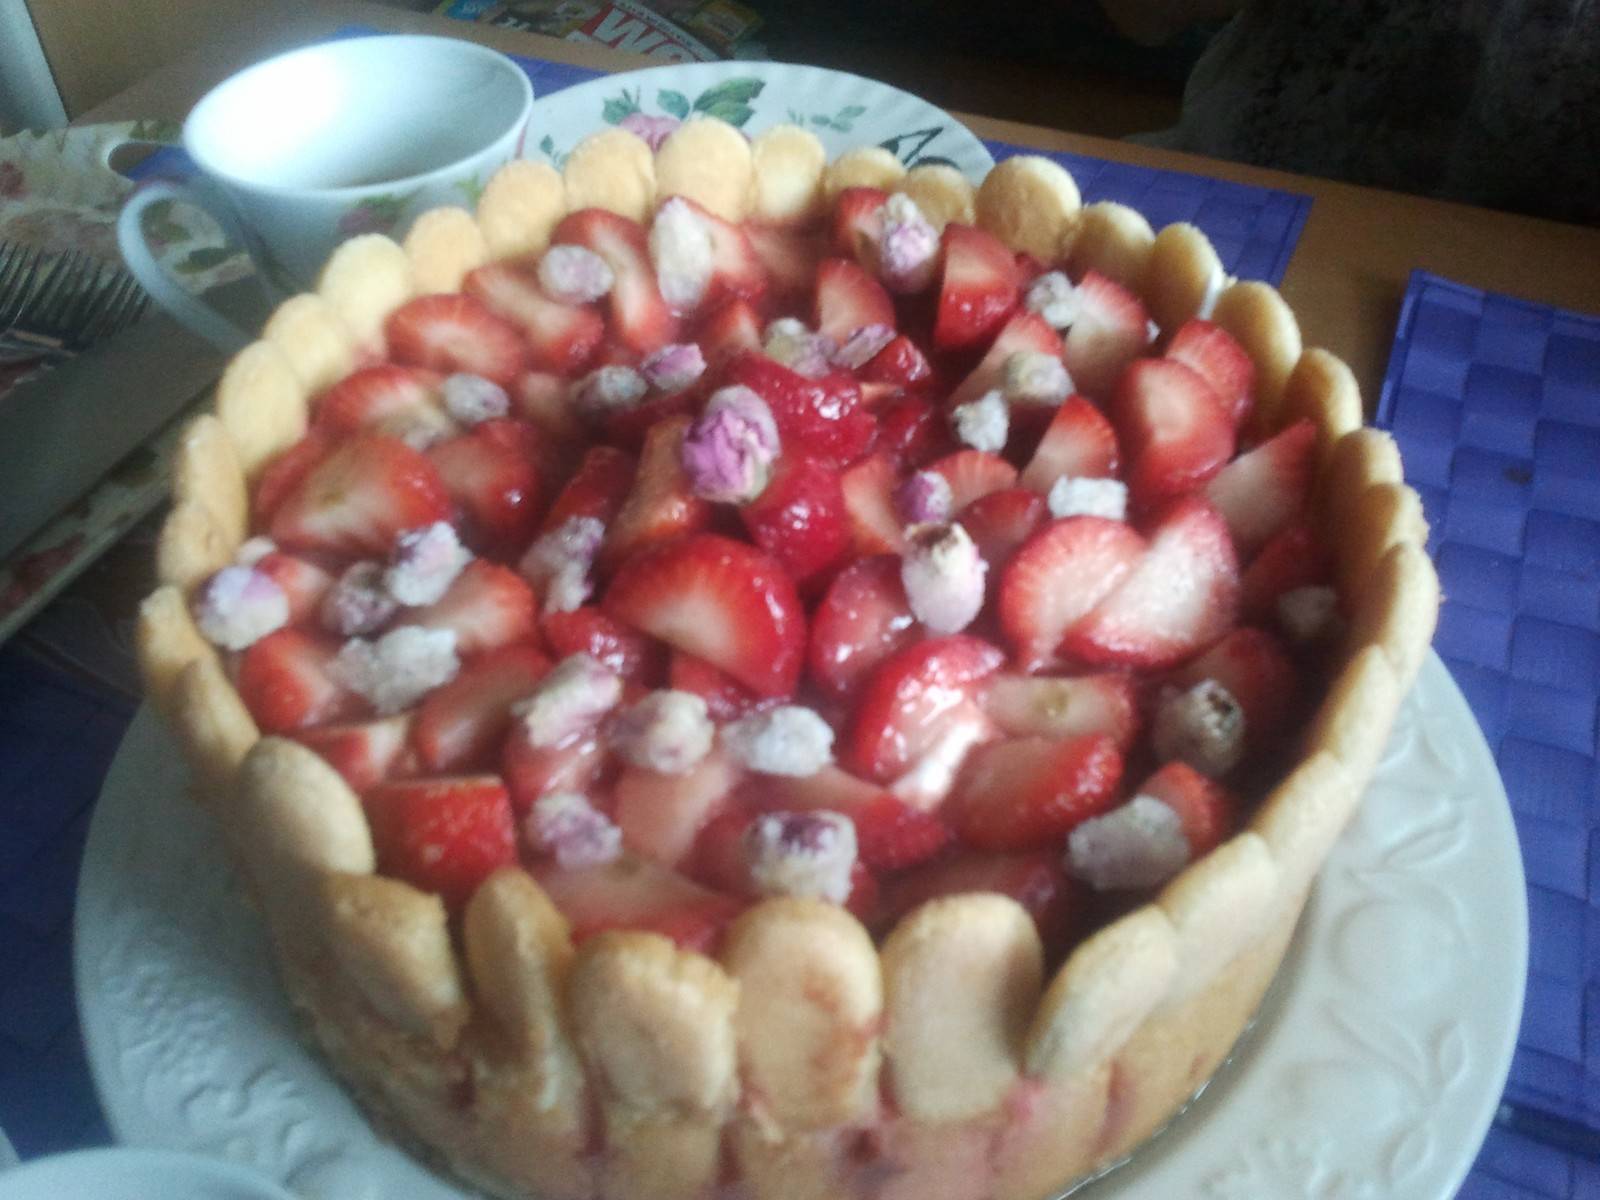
(1345, 281)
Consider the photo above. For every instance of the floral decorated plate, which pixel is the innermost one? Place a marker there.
(843, 110)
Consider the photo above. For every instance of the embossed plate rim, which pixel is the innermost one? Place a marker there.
(205, 1055)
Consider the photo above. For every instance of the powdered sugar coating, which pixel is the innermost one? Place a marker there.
(729, 450)
(862, 346)
(398, 669)
(425, 562)
(984, 423)
(575, 275)
(943, 575)
(673, 368)
(608, 389)
(667, 731)
(472, 399)
(924, 497)
(567, 827)
(1203, 726)
(1054, 298)
(907, 244)
(1137, 845)
(570, 700)
(238, 606)
(788, 740)
(681, 249)
(359, 602)
(1071, 497)
(803, 854)
(1034, 377)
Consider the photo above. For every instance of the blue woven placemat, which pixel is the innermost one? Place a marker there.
(1495, 403)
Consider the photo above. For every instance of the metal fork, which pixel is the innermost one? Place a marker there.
(74, 301)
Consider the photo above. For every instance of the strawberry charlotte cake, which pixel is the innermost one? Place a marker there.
(729, 673)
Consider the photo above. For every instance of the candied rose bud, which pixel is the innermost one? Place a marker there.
(908, 246)
(238, 606)
(472, 399)
(680, 248)
(359, 601)
(425, 562)
(1310, 614)
(1203, 726)
(924, 497)
(1137, 845)
(398, 669)
(1054, 298)
(667, 731)
(729, 450)
(559, 563)
(570, 700)
(943, 575)
(569, 829)
(805, 854)
(862, 346)
(1034, 377)
(608, 390)
(574, 275)
(787, 740)
(1071, 497)
(673, 368)
(790, 342)
(984, 423)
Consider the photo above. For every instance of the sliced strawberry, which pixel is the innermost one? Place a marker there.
(790, 260)
(491, 474)
(531, 771)
(1266, 488)
(639, 316)
(1079, 442)
(800, 519)
(562, 338)
(849, 299)
(726, 698)
(1172, 428)
(865, 894)
(1181, 596)
(1037, 880)
(736, 269)
(442, 835)
(460, 726)
(979, 288)
(281, 477)
(718, 860)
(1203, 805)
(1110, 330)
(909, 701)
(303, 582)
(1057, 578)
(1029, 793)
(1061, 707)
(1212, 351)
(284, 681)
(451, 332)
(855, 222)
(1294, 558)
(488, 606)
(662, 815)
(1255, 668)
(734, 327)
(861, 620)
(973, 474)
(868, 489)
(822, 418)
(380, 399)
(364, 752)
(1025, 332)
(721, 600)
(660, 504)
(635, 893)
(890, 834)
(1001, 522)
(621, 650)
(357, 500)
(597, 489)
(913, 432)
(901, 362)
(540, 398)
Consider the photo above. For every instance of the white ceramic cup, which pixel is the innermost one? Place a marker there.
(123, 1173)
(301, 151)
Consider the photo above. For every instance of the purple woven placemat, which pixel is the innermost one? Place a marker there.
(1495, 403)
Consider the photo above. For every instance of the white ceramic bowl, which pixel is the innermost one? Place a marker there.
(127, 1174)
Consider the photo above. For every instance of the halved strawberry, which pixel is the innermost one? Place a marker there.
(736, 269)
(1266, 488)
(1001, 521)
(909, 701)
(1065, 706)
(1057, 577)
(540, 398)
(380, 399)
(597, 489)
(660, 504)
(491, 474)
(823, 418)
(460, 726)
(1255, 668)
(281, 477)
(862, 619)
(868, 487)
(978, 290)
(790, 259)
(800, 518)
(848, 299)
(284, 681)
(442, 835)
(1029, 793)
(639, 316)
(662, 815)
(1024, 332)
(726, 698)
(1172, 427)
(1078, 442)
(718, 599)
(1110, 330)
(913, 432)
(303, 582)
(973, 474)
(1181, 596)
(1294, 558)
(452, 332)
(901, 362)
(1203, 805)
(890, 834)
(358, 499)
(488, 606)
(635, 893)
(855, 222)
(1212, 351)
(364, 752)
(734, 327)
(718, 860)
(621, 650)
(561, 337)
(530, 771)
(1035, 879)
